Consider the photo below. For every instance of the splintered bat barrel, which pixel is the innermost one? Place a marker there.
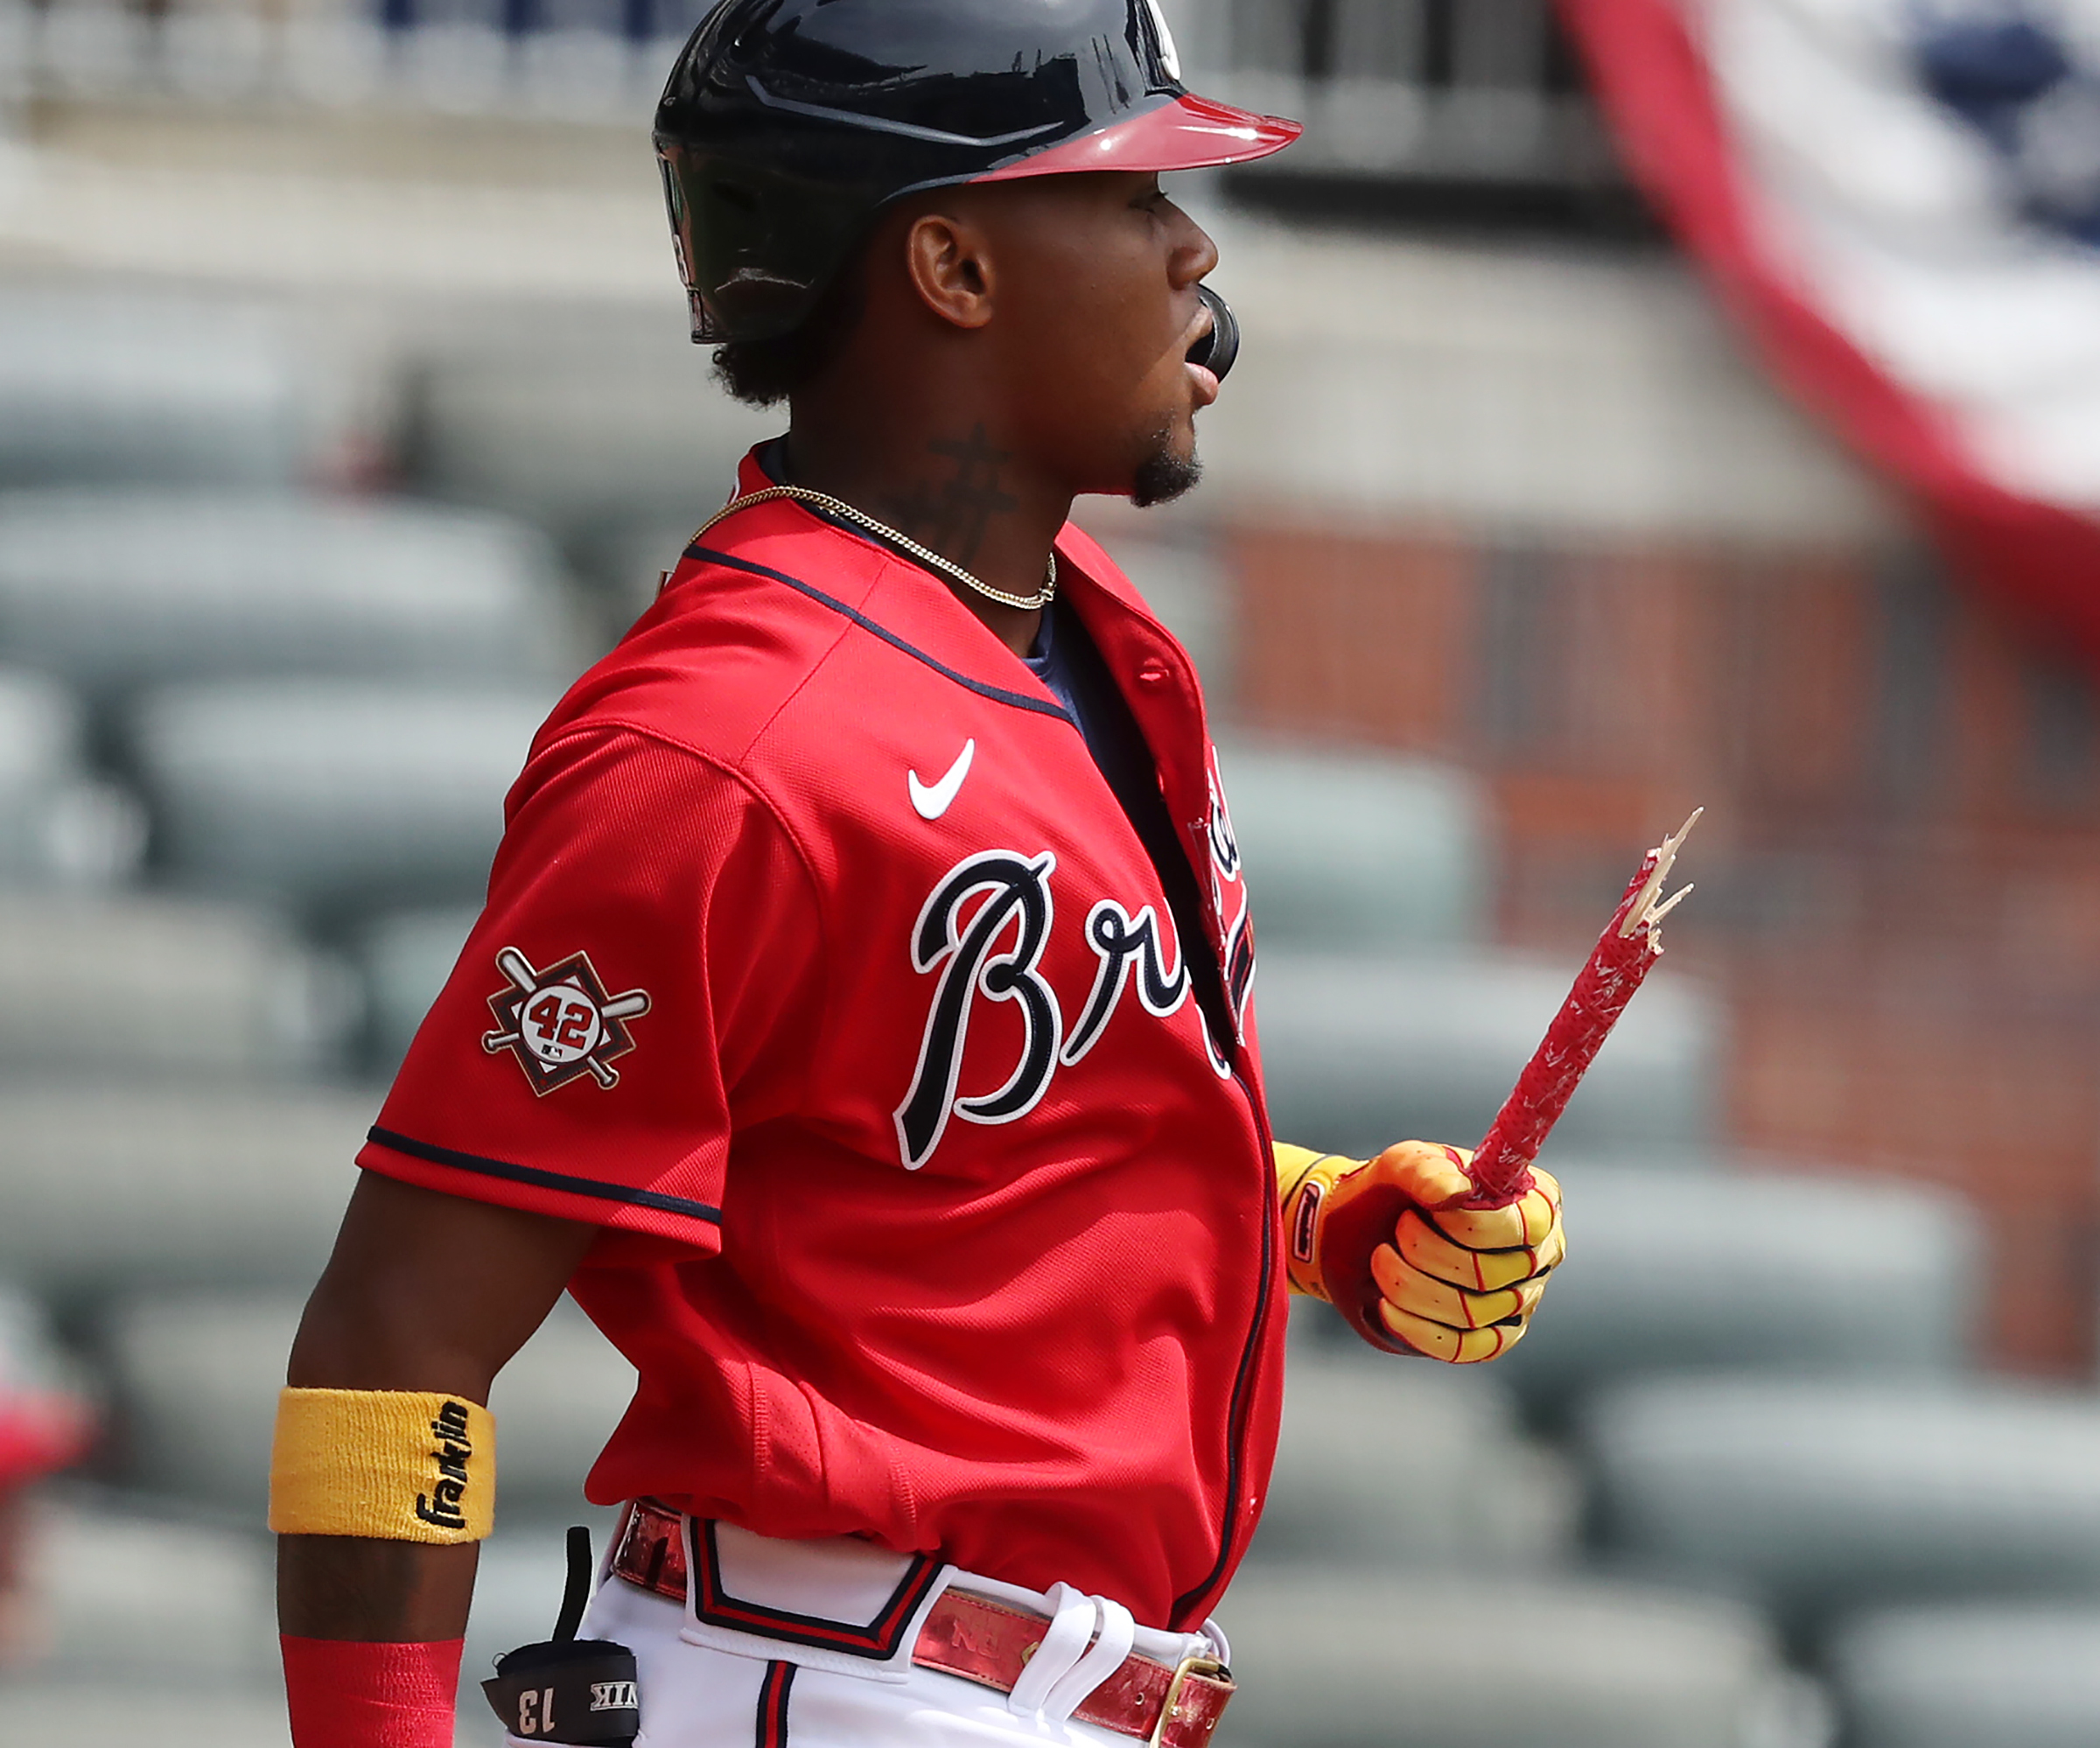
(1629, 946)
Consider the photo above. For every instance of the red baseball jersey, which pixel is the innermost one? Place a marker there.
(821, 968)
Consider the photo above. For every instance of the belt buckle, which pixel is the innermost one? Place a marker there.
(1196, 1664)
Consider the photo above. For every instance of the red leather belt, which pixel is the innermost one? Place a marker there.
(988, 1642)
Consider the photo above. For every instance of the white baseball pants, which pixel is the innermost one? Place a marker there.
(712, 1686)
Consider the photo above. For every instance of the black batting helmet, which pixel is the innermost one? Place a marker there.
(786, 125)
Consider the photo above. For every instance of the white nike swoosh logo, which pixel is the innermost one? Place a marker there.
(931, 800)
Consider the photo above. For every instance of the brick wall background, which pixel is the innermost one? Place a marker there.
(1897, 869)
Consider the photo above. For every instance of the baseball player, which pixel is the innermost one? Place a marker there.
(860, 1024)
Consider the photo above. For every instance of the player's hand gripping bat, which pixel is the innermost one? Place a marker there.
(1433, 1249)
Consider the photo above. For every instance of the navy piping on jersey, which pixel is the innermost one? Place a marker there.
(1236, 1407)
(983, 689)
(879, 1639)
(772, 1705)
(540, 1180)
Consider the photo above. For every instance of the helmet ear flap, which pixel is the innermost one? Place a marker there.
(746, 275)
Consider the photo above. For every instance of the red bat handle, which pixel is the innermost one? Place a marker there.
(1502, 1167)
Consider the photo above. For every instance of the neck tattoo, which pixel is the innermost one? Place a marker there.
(954, 518)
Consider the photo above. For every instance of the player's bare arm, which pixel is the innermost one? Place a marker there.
(426, 1292)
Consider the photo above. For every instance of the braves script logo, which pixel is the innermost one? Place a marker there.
(560, 1023)
(1125, 942)
(984, 928)
(966, 944)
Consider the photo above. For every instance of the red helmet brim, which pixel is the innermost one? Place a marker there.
(1189, 133)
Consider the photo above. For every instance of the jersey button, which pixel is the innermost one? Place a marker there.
(1151, 673)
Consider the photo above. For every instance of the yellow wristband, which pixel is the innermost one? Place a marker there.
(395, 1465)
(1304, 1181)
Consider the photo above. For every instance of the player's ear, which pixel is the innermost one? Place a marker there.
(948, 258)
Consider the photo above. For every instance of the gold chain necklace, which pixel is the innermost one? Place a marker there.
(925, 554)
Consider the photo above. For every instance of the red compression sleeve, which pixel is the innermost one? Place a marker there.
(344, 1693)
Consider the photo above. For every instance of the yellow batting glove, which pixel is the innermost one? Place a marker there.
(1390, 1244)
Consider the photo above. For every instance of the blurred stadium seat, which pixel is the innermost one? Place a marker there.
(1820, 1495)
(112, 1187)
(626, 559)
(1352, 853)
(59, 823)
(1384, 1463)
(107, 387)
(1360, 1051)
(406, 957)
(38, 1382)
(115, 590)
(132, 1595)
(1795, 1273)
(109, 1713)
(196, 1377)
(1979, 1675)
(584, 424)
(158, 1629)
(143, 984)
(558, 1403)
(1450, 1659)
(333, 793)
